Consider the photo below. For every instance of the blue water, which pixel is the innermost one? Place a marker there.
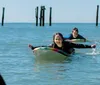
(18, 66)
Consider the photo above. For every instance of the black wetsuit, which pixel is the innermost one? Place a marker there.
(78, 37)
(68, 47)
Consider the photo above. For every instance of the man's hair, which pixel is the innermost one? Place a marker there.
(76, 29)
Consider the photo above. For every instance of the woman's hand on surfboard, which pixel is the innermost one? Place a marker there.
(30, 46)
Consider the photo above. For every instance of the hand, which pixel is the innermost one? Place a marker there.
(30, 45)
(93, 46)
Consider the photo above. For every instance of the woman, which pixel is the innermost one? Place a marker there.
(66, 46)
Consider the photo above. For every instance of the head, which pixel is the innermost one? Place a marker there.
(75, 31)
(58, 38)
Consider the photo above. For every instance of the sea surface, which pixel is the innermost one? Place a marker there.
(19, 67)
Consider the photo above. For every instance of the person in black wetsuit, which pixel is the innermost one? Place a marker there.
(75, 35)
(66, 46)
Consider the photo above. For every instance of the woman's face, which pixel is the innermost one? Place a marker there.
(58, 40)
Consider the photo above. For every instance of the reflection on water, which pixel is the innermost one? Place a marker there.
(51, 70)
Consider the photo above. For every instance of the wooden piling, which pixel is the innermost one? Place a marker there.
(3, 16)
(36, 15)
(97, 13)
(50, 17)
(43, 15)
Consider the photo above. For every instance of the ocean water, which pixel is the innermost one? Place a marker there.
(19, 67)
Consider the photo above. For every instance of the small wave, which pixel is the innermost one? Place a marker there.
(97, 53)
(94, 52)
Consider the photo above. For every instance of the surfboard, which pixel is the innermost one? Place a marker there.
(49, 53)
(77, 40)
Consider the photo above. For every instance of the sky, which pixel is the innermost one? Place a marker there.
(63, 11)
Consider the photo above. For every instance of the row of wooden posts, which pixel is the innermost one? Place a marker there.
(42, 16)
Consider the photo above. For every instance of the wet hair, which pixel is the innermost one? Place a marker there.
(59, 35)
(76, 29)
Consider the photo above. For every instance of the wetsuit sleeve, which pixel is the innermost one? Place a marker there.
(33, 47)
(80, 45)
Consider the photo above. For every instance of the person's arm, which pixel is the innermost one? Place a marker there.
(82, 45)
(30, 46)
(33, 47)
